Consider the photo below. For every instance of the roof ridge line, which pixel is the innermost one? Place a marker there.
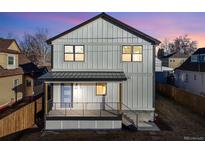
(114, 21)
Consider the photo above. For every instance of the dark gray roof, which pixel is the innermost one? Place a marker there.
(113, 21)
(179, 55)
(83, 76)
(199, 51)
(169, 55)
(193, 66)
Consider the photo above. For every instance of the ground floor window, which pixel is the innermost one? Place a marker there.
(28, 83)
(101, 89)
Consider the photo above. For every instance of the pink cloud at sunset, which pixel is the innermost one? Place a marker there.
(158, 25)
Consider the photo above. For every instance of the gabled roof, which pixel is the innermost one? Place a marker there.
(5, 44)
(179, 55)
(193, 66)
(113, 21)
(199, 51)
(25, 67)
(30, 68)
(169, 55)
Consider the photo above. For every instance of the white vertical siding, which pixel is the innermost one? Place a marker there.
(86, 93)
(103, 47)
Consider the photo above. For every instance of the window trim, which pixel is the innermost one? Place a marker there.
(13, 56)
(132, 46)
(105, 89)
(74, 53)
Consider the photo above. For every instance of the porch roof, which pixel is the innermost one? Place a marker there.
(83, 76)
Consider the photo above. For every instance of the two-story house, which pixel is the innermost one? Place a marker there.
(102, 76)
(177, 59)
(18, 75)
(190, 75)
(174, 59)
(10, 73)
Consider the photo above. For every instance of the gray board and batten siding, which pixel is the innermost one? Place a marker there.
(103, 43)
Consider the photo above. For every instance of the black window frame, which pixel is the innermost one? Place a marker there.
(132, 53)
(74, 54)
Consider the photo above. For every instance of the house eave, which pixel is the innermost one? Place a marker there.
(114, 21)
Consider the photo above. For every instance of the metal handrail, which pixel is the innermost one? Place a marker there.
(83, 106)
(112, 109)
(130, 110)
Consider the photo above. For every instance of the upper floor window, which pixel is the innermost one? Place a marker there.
(202, 58)
(132, 53)
(194, 58)
(74, 53)
(10, 60)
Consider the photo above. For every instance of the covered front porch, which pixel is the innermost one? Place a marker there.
(83, 94)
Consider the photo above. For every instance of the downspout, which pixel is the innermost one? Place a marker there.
(51, 56)
(154, 88)
(153, 84)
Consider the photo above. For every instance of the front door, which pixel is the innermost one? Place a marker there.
(66, 95)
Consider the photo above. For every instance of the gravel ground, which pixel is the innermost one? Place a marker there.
(175, 122)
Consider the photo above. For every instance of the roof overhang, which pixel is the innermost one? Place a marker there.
(83, 76)
(113, 21)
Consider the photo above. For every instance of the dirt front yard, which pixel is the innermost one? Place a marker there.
(175, 122)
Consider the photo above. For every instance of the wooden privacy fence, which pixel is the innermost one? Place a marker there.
(21, 118)
(194, 102)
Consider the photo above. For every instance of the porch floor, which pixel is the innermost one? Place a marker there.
(85, 113)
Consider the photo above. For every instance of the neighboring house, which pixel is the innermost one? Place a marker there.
(17, 74)
(174, 60)
(177, 59)
(161, 72)
(191, 74)
(31, 85)
(102, 75)
(165, 59)
(10, 73)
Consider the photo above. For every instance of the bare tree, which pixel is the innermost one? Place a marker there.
(182, 44)
(34, 46)
(185, 45)
(165, 45)
(160, 53)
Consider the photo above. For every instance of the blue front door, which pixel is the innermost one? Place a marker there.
(66, 95)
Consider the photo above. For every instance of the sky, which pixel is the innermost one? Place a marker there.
(158, 25)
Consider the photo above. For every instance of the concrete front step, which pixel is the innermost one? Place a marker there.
(147, 126)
